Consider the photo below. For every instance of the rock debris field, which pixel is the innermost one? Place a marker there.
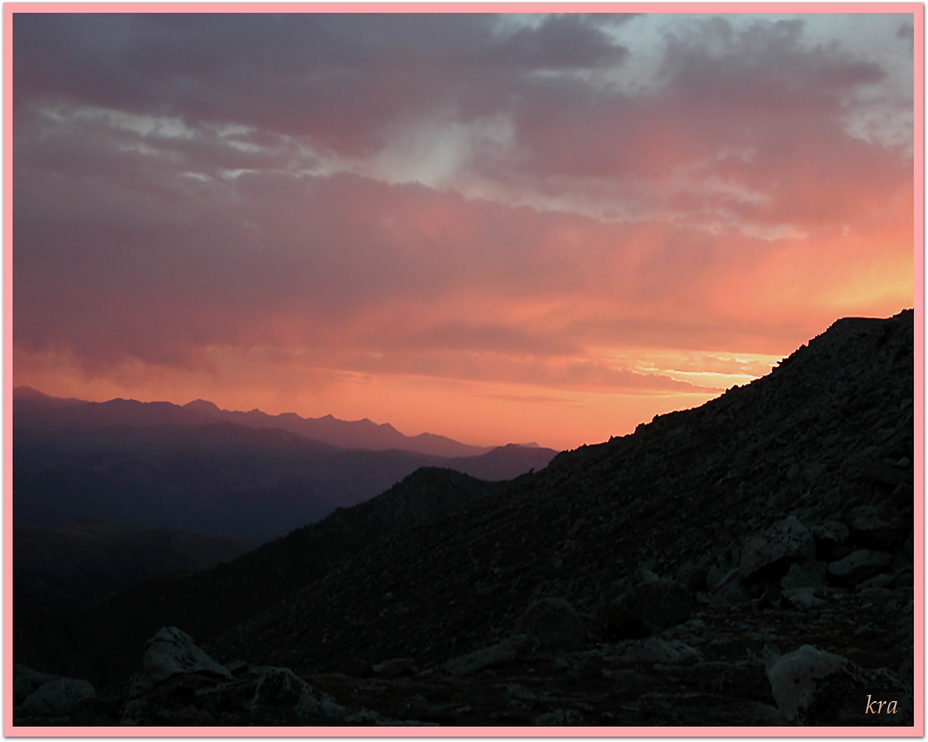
(748, 562)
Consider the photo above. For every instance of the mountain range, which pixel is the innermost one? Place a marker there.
(37, 411)
(748, 562)
(223, 474)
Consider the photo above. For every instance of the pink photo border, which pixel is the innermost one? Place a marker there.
(917, 9)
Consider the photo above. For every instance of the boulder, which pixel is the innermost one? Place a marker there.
(57, 697)
(814, 687)
(279, 686)
(283, 698)
(773, 551)
(859, 566)
(172, 652)
(26, 680)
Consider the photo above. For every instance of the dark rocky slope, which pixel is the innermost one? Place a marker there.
(674, 576)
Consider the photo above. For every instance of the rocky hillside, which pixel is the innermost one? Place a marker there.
(746, 562)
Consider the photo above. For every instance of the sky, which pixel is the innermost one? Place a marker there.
(499, 228)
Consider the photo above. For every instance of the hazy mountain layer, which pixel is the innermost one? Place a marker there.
(220, 479)
(36, 411)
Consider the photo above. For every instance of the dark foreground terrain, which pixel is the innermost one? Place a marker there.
(748, 562)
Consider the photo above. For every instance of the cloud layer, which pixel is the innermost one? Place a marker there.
(485, 207)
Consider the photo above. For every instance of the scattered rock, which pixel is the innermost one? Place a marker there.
(57, 697)
(26, 680)
(859, 566)
(782, 544)
(171, 652)
(814, 687)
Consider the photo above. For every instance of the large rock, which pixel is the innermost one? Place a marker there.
(773, 551)
(57, 697)
(26, 680)
(860, 565)
(172, 652)
(814, 687)
(283, 698)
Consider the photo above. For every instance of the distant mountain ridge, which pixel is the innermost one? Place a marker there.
(201, 470)
(37, 411)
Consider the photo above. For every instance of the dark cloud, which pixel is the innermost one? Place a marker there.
(335, 78)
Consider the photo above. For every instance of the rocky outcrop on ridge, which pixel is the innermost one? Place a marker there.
(672, 577)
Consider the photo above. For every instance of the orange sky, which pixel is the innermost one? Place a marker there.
(495, 228)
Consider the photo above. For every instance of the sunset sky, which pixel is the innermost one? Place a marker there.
(496, 228)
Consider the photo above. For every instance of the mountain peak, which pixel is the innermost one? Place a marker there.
(202, 405)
